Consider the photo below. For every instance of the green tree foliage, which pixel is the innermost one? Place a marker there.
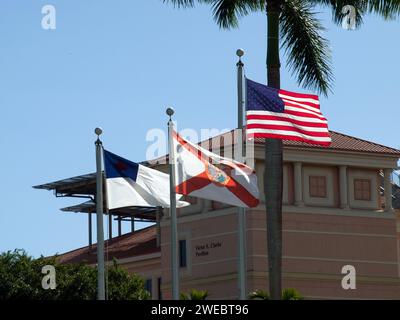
(259, 295)
(122, 286)
(287, 294)
(291, 294)
(21, 278)
(194, 295)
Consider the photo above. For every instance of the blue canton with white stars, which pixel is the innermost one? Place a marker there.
(263, 98)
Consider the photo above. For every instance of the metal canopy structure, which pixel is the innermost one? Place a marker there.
(84, 186)
(146, 214)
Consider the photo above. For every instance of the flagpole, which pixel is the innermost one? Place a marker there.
(99, 213)
(174, 229)
(242, 263)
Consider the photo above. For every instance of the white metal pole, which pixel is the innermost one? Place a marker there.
(99, 212)
(242, 263)
(174, 228)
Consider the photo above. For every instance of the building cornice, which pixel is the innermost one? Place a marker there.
(287, 209)
(334, 157)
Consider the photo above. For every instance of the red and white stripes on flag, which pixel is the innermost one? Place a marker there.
(282, 114)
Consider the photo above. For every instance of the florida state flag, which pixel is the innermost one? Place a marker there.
(203, 174)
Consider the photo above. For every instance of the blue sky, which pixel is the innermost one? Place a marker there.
(118, 64)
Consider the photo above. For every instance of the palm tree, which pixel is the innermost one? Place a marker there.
(308, 56)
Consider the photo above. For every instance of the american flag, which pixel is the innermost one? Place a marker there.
(280, 114)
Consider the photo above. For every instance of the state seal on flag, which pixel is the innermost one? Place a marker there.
(217, 175)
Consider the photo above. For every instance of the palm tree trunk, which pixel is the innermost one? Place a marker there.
(273, 174)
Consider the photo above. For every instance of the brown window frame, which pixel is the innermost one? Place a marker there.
(362, 194)
(315, 190)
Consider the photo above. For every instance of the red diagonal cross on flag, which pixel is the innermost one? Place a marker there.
(228, 181)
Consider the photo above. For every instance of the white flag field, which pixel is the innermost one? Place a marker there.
(130, 184)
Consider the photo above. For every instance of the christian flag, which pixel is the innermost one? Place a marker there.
(132, 184)
(203, 174)
(281, 114)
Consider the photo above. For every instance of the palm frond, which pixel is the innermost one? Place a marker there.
(181, 3)
(339, 15)
(259, 295)
(227, 12)
(308, 53)
(337, 6)
(387, 9)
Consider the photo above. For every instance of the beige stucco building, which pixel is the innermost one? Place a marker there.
(337, 211)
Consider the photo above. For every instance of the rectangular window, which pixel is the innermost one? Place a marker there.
(159, 289)
(182, 254)
(317, 186)
(362, 189)
(148, 286)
